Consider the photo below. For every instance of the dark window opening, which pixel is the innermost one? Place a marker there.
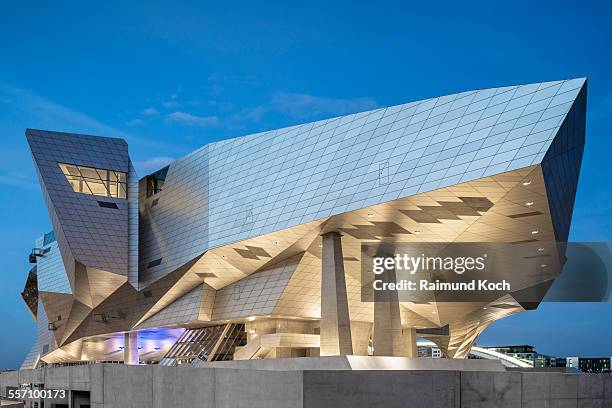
(30, 291)
(155, 181)
(154, 263)
(106, 204)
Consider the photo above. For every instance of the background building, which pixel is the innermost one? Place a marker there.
(529, 355)
(594, 364)
(522, 352)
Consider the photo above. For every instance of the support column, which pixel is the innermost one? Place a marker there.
(388, 337)
(361, 332)
(335, 322)
(130, 348)
(387, 331)
(409, 342)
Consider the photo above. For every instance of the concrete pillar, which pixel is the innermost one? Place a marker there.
(335, 322)
(387, 331)
(130, 348)
(388, 338)
(409, 342)
(361, 332)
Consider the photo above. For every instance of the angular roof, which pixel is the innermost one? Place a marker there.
(253, 185)
(512, 126)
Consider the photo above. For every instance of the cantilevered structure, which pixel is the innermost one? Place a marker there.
(222, 254)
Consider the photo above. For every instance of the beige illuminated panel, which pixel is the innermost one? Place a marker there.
(101, 182)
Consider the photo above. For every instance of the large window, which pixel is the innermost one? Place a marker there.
(155, 181)
(101, 182)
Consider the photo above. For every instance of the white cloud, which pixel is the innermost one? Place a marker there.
(152, 164)
(300, 105)
(192, 120)
(170, 104)
(150, 112)
(50, 115)
(292, 105)
(174, 100)
(256, 113)
(135, 122)
(18, 180)
(40, 113)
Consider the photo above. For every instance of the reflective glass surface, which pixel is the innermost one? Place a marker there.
(101, 182)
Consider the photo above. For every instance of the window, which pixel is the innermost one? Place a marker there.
(156, 262)
(100, 182)
(106, 204)
(155, 181)
(49, 237)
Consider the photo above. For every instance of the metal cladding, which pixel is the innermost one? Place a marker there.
(231, 233)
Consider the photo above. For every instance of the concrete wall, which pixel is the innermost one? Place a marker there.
(11, 404)
(123, 386)
(119, 386)
(388, 389)
(433, 389)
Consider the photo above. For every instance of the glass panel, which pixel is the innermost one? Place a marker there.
(75, 185)
(102, 174)
(122, 191)
(97, 187)
(69, 169)
(83, 187)
(88, 180)
(155, 181)
(88, 172)
(112, 189)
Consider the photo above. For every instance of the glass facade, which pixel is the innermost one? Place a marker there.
(100, 182)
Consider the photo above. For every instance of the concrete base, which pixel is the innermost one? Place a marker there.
(118, 386)
(360, 363)
(10, 404)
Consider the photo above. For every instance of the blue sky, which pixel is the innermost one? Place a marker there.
(170, 78)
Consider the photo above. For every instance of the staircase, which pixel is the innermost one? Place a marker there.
(213, 343)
